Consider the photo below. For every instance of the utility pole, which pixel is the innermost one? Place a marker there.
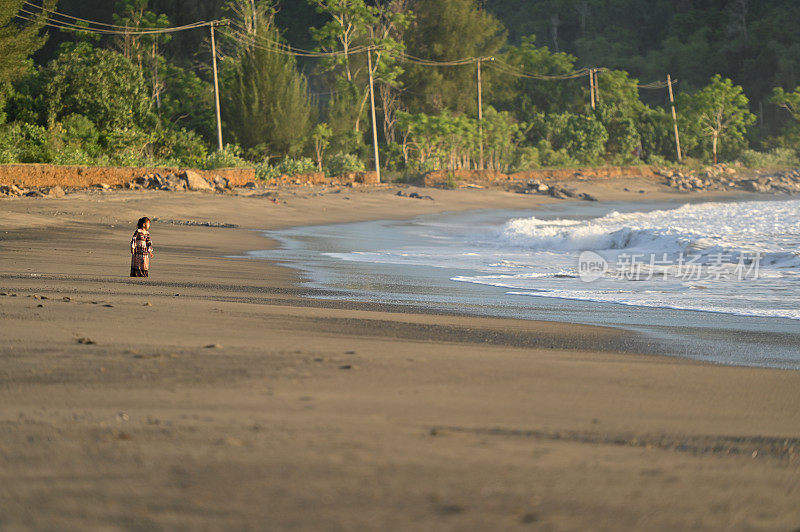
(374, 122)
(480, 116)
(591, 86)
(216, 86)
(674, 118)
(480, 109)
(596, 86)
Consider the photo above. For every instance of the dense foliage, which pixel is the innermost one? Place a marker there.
(294, 83)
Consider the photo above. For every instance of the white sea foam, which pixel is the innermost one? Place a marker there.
(539, 257)
(769, 228)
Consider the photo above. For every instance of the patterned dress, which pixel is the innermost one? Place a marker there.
(141, 247)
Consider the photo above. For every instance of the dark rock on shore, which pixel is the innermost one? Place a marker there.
(187, 180)
(195, 181)
(723, 177)
(413, 195)
(195, 223)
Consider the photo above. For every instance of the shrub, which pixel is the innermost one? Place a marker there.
(303, 165)
(392, 156)
(71, 155)
(181, 147)
(80, 132)
(266, 171)
(525, 158)
(227, 157)
(775, 158)
(658, 160)
(343, 163)
(550, 158)
(567, 139)
(24, 143)
(288, 166)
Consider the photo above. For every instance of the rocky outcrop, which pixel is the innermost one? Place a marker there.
(444, 178)
(782, 183)
(38, 192)
(723, 177)
(319, 178)
(188, 180)
(534, 186)
(194, 181)
(11, 190)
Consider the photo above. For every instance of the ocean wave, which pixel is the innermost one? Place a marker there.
(712, 231)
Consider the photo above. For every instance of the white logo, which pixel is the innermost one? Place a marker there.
(591, 266)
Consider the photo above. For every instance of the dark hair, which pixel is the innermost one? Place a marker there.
(140, 223)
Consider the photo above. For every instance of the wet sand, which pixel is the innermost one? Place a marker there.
(213, 395)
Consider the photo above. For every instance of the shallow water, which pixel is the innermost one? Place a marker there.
(712, 281)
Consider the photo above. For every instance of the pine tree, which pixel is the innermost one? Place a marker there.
(18, 40)
(447, 30)
(266, 101)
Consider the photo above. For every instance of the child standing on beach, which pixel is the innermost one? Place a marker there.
(141, 249)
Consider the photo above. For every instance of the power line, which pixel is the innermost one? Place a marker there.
(306, 53)
(430, 62)
(264, 43)
(657, 85)
(69, 26)
(52, 12)
(72, 27)
(515, 71)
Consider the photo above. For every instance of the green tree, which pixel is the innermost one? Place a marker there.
(266, 101)
(790, 133)
(347, 26)
(526, 96)
(352, 26)
(188, 102)
(144, 50)
(349, 20)
(620, 111)
(321, 137)
(450, 30)
(654, 126)
(717, 112)
(18, 40)
(581, 137)
(110, 92)
(502, 136)
(790, 101)
(99, 84)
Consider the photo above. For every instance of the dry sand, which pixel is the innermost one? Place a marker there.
(310, 415)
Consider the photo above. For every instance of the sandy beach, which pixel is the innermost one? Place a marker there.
(214, 395)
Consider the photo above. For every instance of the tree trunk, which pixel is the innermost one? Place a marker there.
(389, 105)
(555, 22)
(361, 110)
(318, 149)
(714, 146)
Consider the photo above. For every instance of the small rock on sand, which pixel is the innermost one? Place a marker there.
(54, 192)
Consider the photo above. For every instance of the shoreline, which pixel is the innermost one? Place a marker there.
(137, 402)
(360, 285)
